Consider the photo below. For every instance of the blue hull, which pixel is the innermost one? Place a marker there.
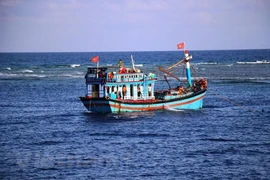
(193, 101)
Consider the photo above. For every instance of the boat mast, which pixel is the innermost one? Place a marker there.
(188, 72)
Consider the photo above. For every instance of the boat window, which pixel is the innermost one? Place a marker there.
(114, 89)
(131, 90)
(95, 90)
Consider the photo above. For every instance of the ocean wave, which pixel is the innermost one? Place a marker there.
(20, 75)
(237, 62)
(75, 65)
(42, 75)
(253, 62)
(69, 75)
(220, 139)
(7, 75)
(206, 63)
(27, 71)
(258, 80)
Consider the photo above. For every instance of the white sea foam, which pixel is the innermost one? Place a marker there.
(207, 63)
(27, 71)
(79, 73)
(71, 75)
(8, 68)
(75, 65)
(35, 75)
(253, 62)
(21, 75)
(172, 109)
(6, 74)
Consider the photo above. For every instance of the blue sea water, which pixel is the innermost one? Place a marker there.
(46, 133)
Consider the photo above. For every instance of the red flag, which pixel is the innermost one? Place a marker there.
(181, 45)
(95, 59)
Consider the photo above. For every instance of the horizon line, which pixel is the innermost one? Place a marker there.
(130, 51)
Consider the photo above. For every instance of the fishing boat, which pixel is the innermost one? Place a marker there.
(117, 89)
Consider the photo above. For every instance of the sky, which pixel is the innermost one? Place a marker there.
(133, 25)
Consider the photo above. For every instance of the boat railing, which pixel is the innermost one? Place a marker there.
(94, 79)
(127, 77)
(139, 98)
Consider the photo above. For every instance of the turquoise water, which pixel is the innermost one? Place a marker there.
(46, 132)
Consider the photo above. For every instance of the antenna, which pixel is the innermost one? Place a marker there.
(133, 63)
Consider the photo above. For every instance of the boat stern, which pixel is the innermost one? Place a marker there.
(96, 105)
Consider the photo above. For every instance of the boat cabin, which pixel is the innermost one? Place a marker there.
(117, 83)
